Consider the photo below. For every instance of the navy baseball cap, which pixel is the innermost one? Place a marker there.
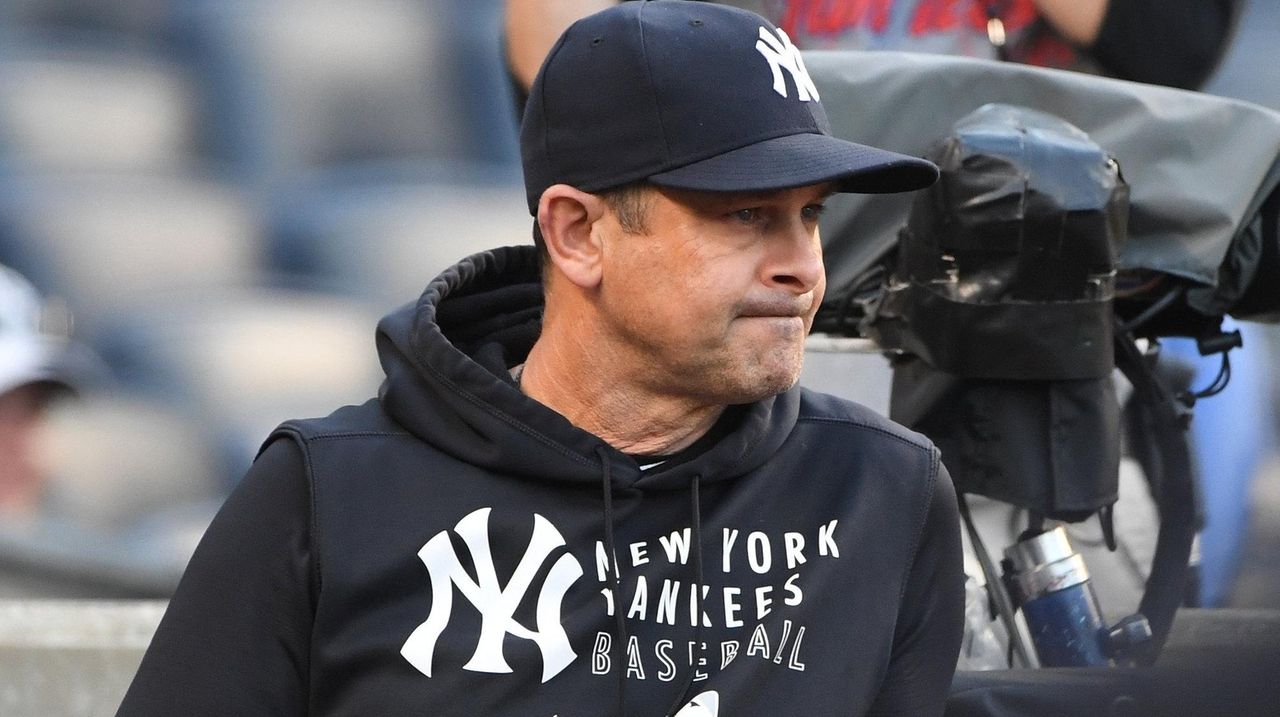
(690, 95)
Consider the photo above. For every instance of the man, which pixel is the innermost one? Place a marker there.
(589, 485)
(32, 372)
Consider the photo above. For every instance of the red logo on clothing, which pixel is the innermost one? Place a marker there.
(834, 17)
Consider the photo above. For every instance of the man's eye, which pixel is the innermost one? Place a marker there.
(747, 216)
(813, 212)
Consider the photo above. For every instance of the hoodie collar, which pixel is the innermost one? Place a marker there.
(446, 360)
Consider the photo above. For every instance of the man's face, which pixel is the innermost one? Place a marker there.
(714, 300)
(20, 478)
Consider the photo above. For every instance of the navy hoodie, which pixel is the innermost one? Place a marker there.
(446, 549)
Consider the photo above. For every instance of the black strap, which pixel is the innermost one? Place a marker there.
(995, 587)
(1176, 500)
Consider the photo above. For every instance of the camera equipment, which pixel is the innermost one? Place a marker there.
(1034, 268)
(998, 310)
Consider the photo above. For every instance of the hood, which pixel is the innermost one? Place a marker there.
(446, 359)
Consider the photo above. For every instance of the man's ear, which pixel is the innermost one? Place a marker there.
(567, 218)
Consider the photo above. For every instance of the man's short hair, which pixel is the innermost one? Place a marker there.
(629, 202)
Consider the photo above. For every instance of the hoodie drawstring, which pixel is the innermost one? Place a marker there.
(695, 511)
(620, 623)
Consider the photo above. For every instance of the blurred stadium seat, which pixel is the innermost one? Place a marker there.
(70, 104)
(111, 243)
(99, 475)
(146, 20)
(308, 85)
(239, 362)
(380, 239)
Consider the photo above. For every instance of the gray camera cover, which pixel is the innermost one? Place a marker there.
(1199, 167)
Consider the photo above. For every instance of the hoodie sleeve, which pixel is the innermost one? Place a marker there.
(235, 639)
(931, 615)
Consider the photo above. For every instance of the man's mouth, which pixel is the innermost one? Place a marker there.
(791, 308)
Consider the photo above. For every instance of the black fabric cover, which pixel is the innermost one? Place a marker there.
(1049, 446)
(1000, 308)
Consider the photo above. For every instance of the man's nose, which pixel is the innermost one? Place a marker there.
(796, 259)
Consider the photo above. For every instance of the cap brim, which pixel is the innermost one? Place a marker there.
(799, 160)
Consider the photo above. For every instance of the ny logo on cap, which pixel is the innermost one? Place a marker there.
(781, 53)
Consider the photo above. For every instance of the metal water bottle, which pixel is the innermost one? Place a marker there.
(1050, 582)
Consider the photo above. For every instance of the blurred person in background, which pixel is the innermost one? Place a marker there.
(1166, 42)
(33, 372)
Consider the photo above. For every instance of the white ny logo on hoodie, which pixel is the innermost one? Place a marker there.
(496, 603)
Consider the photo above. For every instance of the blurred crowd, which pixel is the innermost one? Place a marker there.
(215, 200)
(205, 205)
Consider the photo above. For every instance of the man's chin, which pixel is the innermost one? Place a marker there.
(744, 375)
(767, 384)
